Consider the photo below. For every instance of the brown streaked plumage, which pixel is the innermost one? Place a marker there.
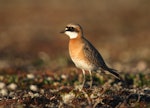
(84, 55)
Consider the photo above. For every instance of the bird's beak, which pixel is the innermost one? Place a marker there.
(62, 31)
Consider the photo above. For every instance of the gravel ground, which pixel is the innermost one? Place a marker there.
(62, 89)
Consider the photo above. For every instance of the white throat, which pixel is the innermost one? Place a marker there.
(72, 35)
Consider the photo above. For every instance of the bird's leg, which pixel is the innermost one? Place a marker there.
(91, 79)
(83, 71)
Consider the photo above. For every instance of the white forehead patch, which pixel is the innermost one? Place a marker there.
(66, 28)
(72, 35)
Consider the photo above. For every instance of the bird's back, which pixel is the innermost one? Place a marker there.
(92, 54)
(95, 58)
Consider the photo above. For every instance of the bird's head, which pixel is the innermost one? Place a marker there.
(73, 31)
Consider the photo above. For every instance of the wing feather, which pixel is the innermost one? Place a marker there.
(95, 58)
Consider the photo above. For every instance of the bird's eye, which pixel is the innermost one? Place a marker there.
(70, 29)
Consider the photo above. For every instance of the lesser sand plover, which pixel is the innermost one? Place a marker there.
(84, 55)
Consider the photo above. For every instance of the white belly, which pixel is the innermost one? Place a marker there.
(82, 64)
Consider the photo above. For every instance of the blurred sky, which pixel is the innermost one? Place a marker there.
(114, 27)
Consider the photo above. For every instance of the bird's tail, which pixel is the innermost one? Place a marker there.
(113, 72)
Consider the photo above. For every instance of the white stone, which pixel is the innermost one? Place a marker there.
(33, 87)
(63, 76)
(2, 85)
(68, 97)
(3, 92)
(12, 86)
(30, 76)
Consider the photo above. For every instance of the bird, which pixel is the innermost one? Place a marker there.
(84, 55)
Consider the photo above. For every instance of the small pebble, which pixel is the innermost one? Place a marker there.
(12, 86)
(33, 87)
(64, 76)
(36, 95)
(33, 94)
(3, 92)
(42, 91)
(49, 78)
(2, 85)
(30, 76)
(67, 98)
(29, 94)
